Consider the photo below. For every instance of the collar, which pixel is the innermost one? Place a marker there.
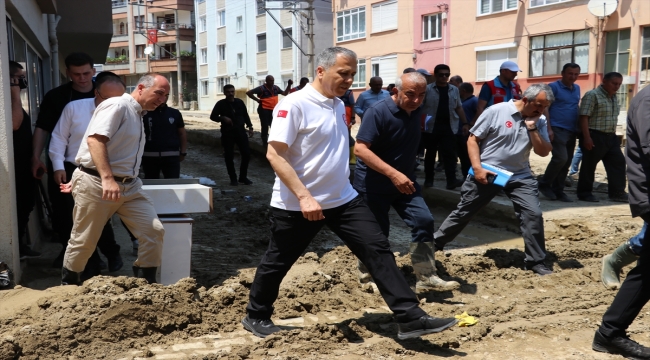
(602, 89)
(498, 83)
(513, 109)
(394, 109)
(435, 86)
(313, 93)
(560, 83)
(136, 105)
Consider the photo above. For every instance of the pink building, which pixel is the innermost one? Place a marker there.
(431, 24)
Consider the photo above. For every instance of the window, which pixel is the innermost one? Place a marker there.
(351, 24)
(204, 56)
(286, 39)
(260, 7)
(384, 16)
(617, 53)
(385, 68)
(139, 51)
(221, 52)
(205, 87)
(221, 82)
(549, 53)
(203, 26)
(534, 3)
(122, 28)
(239, 24)
(138, 22)
(221, 18)
(240, 61)
(495, 6)
(489, 62)
(261, 42)
(360, 77)
(644, 75)
(432, 27)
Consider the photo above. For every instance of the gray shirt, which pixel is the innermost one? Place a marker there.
(430, 105)
(120, 120)
(505, 141)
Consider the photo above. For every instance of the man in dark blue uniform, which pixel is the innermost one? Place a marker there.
(166, 144)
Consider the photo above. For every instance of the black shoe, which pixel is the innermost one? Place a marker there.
(27, 253)
(621, 345)
(233, 183)
(547, 192)
(148, 274)
(69, 277)
(422, 326)
(115, 263)
(456, 183)
(622, 197)
(245, 181)
(428, 183)
(58, 261)
(588, 198)
(261, 328)
(102, 265)
(563, 197)
(539, 268)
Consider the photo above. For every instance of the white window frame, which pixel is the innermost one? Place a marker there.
(222, 81)
(239, 23)
(347, 15)
(257, 42)
(240, 60)
(377, 9)
(221, 52)
(203, 24)
(376, 69)
(545, 48)
(205, 87)
(511, 50)
(204, 55)
(221, 18)
(504, 7)
(282, 34)
(539, 3)
(438, 23)
(358, 82)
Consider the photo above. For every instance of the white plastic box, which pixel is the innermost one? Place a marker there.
(180, 198)
(177, 249)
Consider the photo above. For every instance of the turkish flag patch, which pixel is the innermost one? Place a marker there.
(282, 113)
(508, 124)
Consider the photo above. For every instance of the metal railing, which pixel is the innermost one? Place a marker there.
(118, 3)
(144, 25)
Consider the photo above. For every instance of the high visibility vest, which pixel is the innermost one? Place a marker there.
(499, 94)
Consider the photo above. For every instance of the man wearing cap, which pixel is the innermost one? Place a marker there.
(501, 89)
(443, 107)
(369, 97)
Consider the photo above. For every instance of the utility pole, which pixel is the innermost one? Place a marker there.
(179, 76)
(310, 38)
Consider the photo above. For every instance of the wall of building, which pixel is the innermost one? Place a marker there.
(430, 53)
(323, 23)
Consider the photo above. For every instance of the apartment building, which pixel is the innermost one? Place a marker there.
(154, 36)
(239, 42)
(543, 35)
(431, 25)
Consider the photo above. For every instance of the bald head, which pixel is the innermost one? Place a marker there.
(270, 80)
(152, 91)
(375, 84)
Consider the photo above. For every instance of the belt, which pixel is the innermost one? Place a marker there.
(161, 153)
(123, 180)
(602, 132)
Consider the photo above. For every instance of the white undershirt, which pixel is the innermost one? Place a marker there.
(69, 132)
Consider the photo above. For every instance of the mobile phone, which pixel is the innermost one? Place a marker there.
(490, 178)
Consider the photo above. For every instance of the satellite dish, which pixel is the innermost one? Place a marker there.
(148, 50)
(602, 8)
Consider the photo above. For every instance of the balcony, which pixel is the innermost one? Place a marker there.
(187, 5)
(169, 64)
(186, 32)
(119, 6)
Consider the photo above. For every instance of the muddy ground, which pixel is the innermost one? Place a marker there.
(325, 312)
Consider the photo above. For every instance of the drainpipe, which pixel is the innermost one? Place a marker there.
(52, 21)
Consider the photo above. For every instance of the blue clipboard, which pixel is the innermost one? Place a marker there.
(502, 176)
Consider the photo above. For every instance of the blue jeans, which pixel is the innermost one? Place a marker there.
(636, 242)
(575, 163)
(411, 208)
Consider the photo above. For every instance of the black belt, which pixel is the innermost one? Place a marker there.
(602, 132)
(123, 180)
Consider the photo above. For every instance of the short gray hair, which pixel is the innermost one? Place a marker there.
(147, 80)
(415, 77)
(327, 57)
(534, 90)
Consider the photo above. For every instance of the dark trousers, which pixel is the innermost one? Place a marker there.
(632, 296)
(266, 117)
(411, 208)
(443, 140)
(25, 187)
(607, 148)
(564, 143)
(106, 242)
(229, 139)
(355, 224)
(463, 155)
(524, 196)
(170, 166)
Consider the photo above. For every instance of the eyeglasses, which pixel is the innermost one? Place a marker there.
(100, 95)
(443, 74)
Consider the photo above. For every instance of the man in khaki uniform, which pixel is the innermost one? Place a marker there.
(107, 182)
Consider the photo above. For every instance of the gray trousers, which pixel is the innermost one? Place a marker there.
(564, 143)
(474, 196)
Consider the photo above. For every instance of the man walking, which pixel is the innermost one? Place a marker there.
(470, 102)
(233, 116)
(502, 88)
(107, 182)
(521, 125)
(443, 106)
(166, 143)
(563, 116)
(367, 98)
(611, 336)
(64, 145)
(267, 98)
(598, 118)
(308, 149)
(387, 143)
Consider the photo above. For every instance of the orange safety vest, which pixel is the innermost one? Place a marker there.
(499, 94)
(271, 101)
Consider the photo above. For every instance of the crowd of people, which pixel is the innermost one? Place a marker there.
(101, 137)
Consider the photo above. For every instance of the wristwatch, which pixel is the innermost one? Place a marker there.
(532, 129)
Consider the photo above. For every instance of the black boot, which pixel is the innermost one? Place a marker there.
(69, 277)
(148, 274)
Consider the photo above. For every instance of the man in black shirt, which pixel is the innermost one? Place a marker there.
(233, 115)
(166, 143)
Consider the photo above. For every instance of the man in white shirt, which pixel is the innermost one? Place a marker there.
(308, 149)
(66, 139)
(107, 182)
